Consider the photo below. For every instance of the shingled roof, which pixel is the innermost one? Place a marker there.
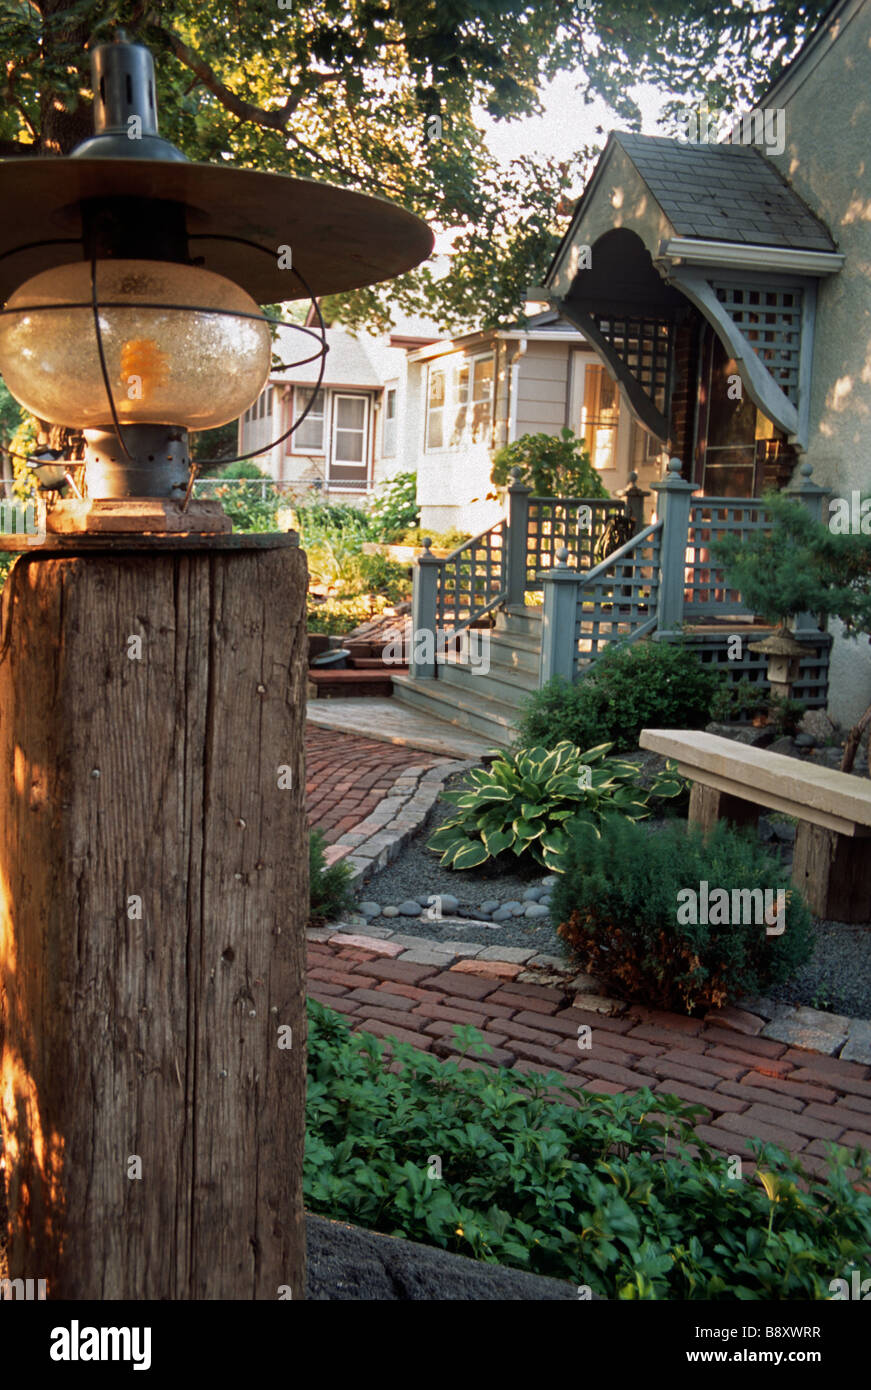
(724, 193)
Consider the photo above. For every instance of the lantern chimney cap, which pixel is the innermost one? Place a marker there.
(125, 105)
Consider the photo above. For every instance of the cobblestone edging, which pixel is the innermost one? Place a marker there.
(377, 840)
(811, 1030)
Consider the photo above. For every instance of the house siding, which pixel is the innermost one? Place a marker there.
(542, 385)
(826, 161)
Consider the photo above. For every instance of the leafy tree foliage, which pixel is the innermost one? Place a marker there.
(383, 96)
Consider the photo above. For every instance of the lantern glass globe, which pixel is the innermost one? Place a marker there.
(166, 365)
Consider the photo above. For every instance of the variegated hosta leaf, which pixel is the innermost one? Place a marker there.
(497, 840)
(470, 855)
(528, 829)
(593, 755)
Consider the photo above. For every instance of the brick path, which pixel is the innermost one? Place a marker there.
(751, 1086)
(347, 776)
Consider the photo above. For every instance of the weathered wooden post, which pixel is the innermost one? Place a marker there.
(154, 874)
(153, 844)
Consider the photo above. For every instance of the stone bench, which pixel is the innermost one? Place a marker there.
(732, 781)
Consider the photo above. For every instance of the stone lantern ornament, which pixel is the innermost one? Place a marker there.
(784, 655)
(154, 854)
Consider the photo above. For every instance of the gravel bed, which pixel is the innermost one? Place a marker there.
(837, 978)
(417, 873)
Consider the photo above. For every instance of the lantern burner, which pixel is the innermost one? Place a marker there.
(156, 464)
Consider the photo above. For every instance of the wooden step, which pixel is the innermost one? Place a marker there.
(353, 682)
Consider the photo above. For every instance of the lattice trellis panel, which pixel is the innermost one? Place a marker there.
(811, 688)
(644, 346)
(555, 522)
(711, 518)
(771, 321)
(472, 578)
(618, 599)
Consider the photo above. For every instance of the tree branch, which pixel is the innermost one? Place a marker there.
(245, 110)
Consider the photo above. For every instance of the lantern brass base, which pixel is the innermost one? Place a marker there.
(126, 514)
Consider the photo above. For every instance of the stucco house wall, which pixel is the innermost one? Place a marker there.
(827, 158)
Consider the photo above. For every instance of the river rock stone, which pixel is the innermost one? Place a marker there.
(818, 725)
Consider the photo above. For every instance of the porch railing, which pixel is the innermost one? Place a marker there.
(575, 524)
(712, 518)
(471, 580)
(614, 601)
(661, 580)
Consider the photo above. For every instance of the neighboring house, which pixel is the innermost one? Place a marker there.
(485, 389)
(362, 427)
(729, 293)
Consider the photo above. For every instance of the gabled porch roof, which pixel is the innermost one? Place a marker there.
(663, 225)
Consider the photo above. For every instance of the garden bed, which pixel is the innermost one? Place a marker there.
(836, 979)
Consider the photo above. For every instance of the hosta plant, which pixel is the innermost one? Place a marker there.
(529, 803)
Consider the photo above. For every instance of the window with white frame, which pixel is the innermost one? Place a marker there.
(349, 455)
(435, 408)
(388, 444)
(308, 438)
(482, 396)
(459, 403)
(599, 416)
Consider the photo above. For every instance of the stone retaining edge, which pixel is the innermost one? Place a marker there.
(376, 841)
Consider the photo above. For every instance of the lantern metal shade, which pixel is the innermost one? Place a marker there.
(340, 240)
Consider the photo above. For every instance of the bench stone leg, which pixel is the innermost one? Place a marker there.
(834, 873)
(709, 804)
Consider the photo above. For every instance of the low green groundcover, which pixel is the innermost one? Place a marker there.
(584, 1194)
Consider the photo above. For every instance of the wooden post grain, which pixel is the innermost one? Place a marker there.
(153, 899)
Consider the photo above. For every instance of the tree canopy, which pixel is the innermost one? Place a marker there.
(384, 95)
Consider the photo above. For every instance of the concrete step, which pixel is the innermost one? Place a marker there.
(485, 687)
(520, 622)
(516, 659)
(503, 666)
(454, 705)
